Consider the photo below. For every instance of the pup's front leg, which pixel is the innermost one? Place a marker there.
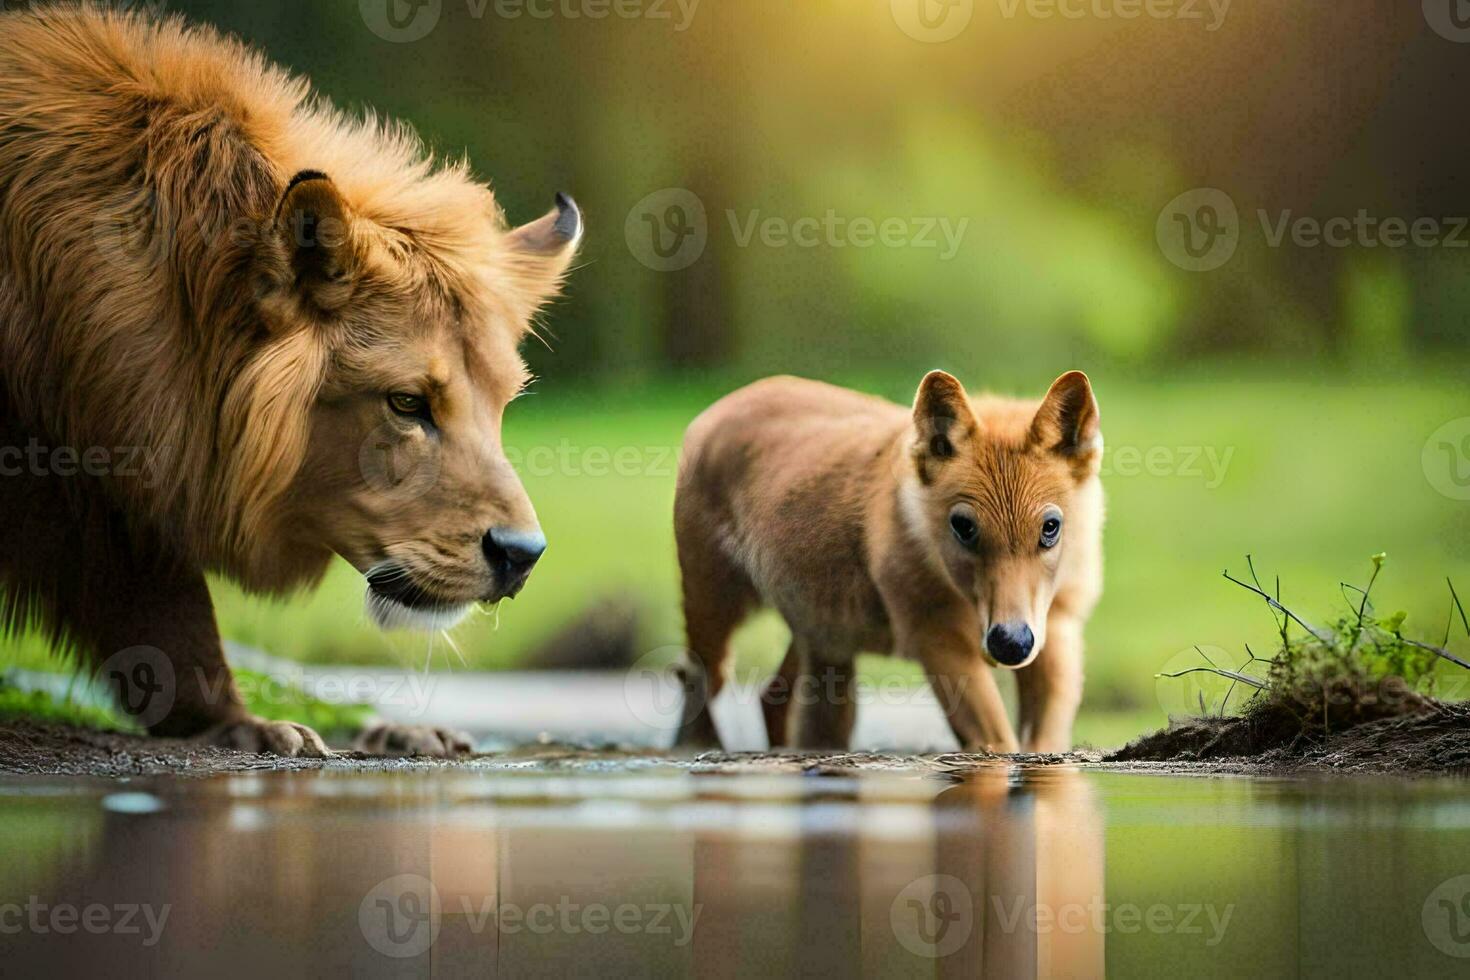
(823, 696)
(966, 689)
(1051, 688)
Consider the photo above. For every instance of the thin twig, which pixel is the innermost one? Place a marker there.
(1456, 598)
(1437, 651)
(1220, 671)
(1250, 563)
(1275, 604)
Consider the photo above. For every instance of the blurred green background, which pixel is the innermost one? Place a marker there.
(1289, 403)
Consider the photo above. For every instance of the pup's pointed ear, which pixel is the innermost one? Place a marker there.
(1068, 422)
(539, 253)
(943, 420)
(316, 245)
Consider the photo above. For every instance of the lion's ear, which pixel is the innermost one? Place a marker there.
(539, 254)
(313, 230)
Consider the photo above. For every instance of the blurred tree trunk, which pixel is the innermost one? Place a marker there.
(697, 326)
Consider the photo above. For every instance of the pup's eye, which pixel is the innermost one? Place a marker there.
(415, 406)
(1051, 531)
(965, 528)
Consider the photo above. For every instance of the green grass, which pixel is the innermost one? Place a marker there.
(1317, 475)
(266, 697)
(16, 704)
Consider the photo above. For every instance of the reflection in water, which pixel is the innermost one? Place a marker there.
(1004, 872)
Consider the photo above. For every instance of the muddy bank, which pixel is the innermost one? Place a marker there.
(1435, 741)
(33, 748)
(1433, 744)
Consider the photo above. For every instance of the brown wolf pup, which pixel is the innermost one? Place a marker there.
(966, 535)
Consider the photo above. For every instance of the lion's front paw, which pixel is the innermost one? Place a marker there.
(269, 737)
(387, 738)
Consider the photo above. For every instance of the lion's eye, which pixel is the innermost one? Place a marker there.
(1051, 531)
(964, 527)
(415, 406)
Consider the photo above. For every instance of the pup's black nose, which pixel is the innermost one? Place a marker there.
(512, 553)
(1010, 643)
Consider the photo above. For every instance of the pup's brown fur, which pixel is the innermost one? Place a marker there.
(841, 511)
(213, 282)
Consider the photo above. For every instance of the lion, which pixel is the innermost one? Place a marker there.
(240, 333)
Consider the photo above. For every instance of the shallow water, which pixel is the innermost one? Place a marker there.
(624, 871)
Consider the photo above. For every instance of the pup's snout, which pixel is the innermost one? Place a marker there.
(512, 553)
(1009, 643)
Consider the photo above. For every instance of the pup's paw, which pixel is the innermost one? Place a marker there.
(387, 738)
(285, 738)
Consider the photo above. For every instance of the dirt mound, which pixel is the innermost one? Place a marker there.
(1434, 741)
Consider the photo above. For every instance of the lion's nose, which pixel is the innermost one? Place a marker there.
(512, 553)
